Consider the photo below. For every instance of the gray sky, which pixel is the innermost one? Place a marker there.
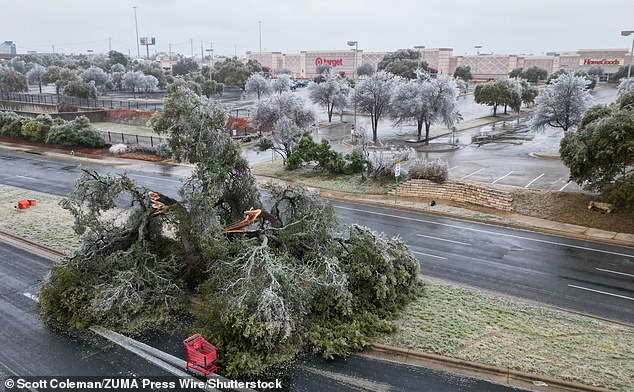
(510, 26)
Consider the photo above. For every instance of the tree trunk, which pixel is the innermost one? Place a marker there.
(419, 126)
(427, 126)
(40, 84)
(495, 110)
(330, 109)
(374, 127)
(504, 109)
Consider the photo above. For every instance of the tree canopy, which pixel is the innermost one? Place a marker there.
(561, 103)
(600, 154)
(372, 96)
(331, 93)
(463, 73)
(403, 63)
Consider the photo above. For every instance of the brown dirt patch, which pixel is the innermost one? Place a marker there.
(140, 157)
(571, 207)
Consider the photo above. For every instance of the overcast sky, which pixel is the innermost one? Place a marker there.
(507, 27)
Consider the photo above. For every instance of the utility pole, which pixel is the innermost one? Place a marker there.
(191, 43)
(235, 50)
(109, 44)
(136, 26)
(170, 52)
(53, 46)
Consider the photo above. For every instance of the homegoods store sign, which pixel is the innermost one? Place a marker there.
(601, 62)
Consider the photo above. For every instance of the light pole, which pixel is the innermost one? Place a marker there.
(625, 33)
(211, 57)
(260, 30)
(420, 54)
(354, 74)
(136, 27)
(477, 48)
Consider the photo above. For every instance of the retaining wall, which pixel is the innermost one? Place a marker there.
(459, 191)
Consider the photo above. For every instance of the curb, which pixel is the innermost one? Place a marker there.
(497, 374)
(31, 246)
(336, 195)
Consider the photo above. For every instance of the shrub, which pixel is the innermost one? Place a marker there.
(79, 89)
(142, 149)
(11, 124)
(164, 151)
(30, 130)
(118, 149)
(436, 170)
(78, 132)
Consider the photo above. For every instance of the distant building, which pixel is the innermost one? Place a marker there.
(7, 47)
(483, 66)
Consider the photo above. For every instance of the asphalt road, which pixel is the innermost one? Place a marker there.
(28, 348)
(593, 278)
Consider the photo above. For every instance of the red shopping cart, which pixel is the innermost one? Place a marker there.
(200, 354)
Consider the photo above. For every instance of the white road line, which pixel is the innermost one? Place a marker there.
(614, 272)
(427, 254)
(155, 178)
(28, 178)
(469, 175)
(486, 231)
(564, 187)
(443, 239)
(31, 296)
(538, 177)
(504, 176)
(600, 292)
(451, 168)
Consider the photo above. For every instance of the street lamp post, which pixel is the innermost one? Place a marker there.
(354, 74)
(625, 33)
(136, 27)
(260, 30)
(477, 48)
(420, 55)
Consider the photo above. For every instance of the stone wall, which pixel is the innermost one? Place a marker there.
(34, 109)
(459, 191)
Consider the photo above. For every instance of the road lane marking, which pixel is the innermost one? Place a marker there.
(31, 296)
(614, 272)
(486, 231)
(504, 176)
(535, 179)
(469, 175)
(443, 239)
(601, 292)
(427, 254)
(155, 178)
(564, 187)
(28, 178)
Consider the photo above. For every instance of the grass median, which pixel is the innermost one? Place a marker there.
(448, 320)
(469, 324)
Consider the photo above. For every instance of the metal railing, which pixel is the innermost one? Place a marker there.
(85, 102)
(126, 138)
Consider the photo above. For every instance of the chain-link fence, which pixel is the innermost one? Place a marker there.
(126, 138)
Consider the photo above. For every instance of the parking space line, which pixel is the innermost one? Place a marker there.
(504, 176)
(443, 239)
(427, 254)
(600, 292)
(564, 187)
(614, 272)
(451, 168)
(535, 179)
(469, 175)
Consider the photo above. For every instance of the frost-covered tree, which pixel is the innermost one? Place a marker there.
(281, 84)
(600, 154)
(133, 80)
(372, 96)
(287, 117)
(185, 66)
(425, 101)
(150, 83)
(258, 84)
(534, 74)
(626, 84)
(494, 93)
(365, 69)
(330, 93)
(79, 89)
(323, 69)
(60, 76)
(35, 75)
(403, 63)
(96, 75)
(562, 103)
(12, 81)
